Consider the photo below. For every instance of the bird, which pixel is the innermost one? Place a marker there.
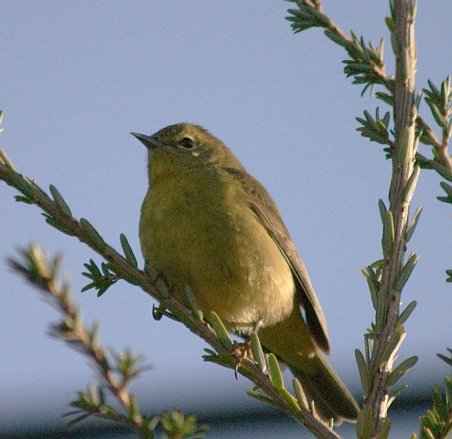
(207, 224)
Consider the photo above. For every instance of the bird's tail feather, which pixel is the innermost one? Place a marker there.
(331, 398)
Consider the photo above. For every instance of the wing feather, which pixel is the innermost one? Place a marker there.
(267, 213)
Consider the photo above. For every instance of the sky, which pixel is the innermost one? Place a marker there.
(78, 77)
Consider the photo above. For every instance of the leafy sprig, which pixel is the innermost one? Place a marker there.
(118, 267)
(437, 423)
(117, 370)
(366, 65)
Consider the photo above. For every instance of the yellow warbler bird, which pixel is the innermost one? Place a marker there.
(207, 224)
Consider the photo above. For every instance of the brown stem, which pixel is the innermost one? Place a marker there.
(402, 169)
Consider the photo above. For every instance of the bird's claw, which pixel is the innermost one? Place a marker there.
(241, 352)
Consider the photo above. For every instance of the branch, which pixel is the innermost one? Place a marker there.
(389, 333)
(366, 65)
(116, 370)
(59, 215)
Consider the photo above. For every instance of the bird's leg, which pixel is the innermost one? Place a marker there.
(243, 351)
(160, 281)
(158, 311)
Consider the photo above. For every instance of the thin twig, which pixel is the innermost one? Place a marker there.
(399, 202)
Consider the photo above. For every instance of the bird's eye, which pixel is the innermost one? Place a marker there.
(187, 143)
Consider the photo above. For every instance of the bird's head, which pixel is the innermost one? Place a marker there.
(184, 147)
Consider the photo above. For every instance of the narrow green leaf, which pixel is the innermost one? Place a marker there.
(301, 395)
(133, 410)
(159, 282)
(92, 234)
(447, 188)
(6, 160)
(411, 184)
(384, 430)
(413, 223)
(447, 361)
(261, 397)
(371, 282)
(367, 347)
(22, 199)
(393, 344)
(380, 312)
(336, 39)
(59, 200)
(432, 417)
(383, 210)
(258, 352)
(448, 386)
(364, 373)
(93, 268)
(364, 424)
(439, 404)
(57, 225)
(449, 275)
(445, 199)
(427, 434)
(196, 310)
(401, 370)
(405, 143)
(388, 234)
(128, 252)
(289, 399)
(418, 99)
(23, 185)
(406, 271)
(121, 272)
(437, 113)
(275, 371)
(78, 419)
(220, 330)
(88, 287)
(403, 317)
(369, 119)
(386, 119)
(386, 98)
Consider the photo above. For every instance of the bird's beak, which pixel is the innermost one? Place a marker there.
(148, 141)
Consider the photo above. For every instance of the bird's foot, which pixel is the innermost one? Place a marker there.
(158, 311)
(241, 352)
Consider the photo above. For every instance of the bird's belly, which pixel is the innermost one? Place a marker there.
(246, 288)
(230, 262)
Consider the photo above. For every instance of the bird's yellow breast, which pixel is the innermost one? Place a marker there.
(197, 229)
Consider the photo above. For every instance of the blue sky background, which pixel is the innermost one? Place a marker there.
(77, 77)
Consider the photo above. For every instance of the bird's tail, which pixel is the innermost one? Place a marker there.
(291, 341)
(331, 398)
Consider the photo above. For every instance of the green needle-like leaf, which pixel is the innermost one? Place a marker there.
(406, 271)
(363, 372)
(275, 371)
(401, 370)
(403, 317)
(393, 344)
(92, 234)
(220, 330)
(59, 200)
(258, 352)
(301, 396)
(411, 227)
(128, 252)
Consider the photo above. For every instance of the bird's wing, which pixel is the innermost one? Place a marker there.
(268, 215)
